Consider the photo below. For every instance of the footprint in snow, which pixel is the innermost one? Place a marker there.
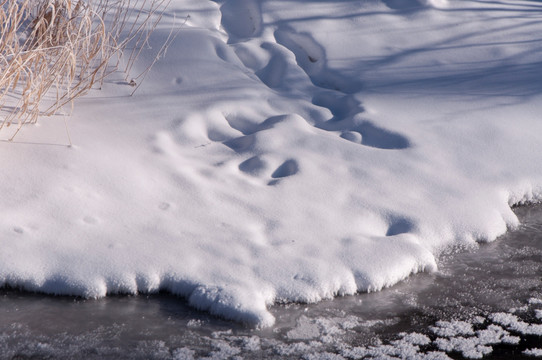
(253, 166)
(352, 136)
(380, 138)
(399, 225)
(311, 57)
(288, 168)
(241, 19)
(366, 133)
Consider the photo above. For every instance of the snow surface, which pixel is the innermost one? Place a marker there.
(471, 347)
(533, 352)
(284, 151)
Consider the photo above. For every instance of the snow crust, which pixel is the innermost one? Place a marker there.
(284, 151)
(513, 323)
(535, 352)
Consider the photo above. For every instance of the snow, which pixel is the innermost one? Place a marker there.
(406, 347)
(452, 328)
(283, 153)
(415, 339)
(468, 347)
(513, 323)
(533, 352)
(458, 336)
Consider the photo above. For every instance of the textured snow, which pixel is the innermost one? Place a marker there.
(535, 352)
(406, 347)
(512, 322)
(495, 334)
(415, 339)
(452, 328)
(468, 347)
(284, 151)
(461, 338)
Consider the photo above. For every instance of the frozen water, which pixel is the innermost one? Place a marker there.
(472, 306)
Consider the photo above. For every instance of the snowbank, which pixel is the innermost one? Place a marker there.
(283, 151)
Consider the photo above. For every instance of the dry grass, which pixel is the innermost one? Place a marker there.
(53, 51)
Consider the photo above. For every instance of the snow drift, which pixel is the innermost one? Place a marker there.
(283, 151)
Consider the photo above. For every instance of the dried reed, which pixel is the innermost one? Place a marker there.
(53, 51)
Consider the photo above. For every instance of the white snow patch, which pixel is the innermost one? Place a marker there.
(184, 354)
(415, 338)
(468, 347)
(452, 328)
(535, 352)
(436, 3)
(495, 334)
(323, 356)
(514, 324)
(252, 343)
(296, 348)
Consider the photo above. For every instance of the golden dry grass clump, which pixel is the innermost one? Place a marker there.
(53, 51)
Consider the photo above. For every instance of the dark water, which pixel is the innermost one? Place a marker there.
(503, 276)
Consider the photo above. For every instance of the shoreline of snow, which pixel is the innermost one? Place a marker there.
(200, 296)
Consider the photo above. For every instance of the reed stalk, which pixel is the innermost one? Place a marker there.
(54, 51)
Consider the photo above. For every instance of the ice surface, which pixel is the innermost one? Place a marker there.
(496, 281)
(284, 153)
